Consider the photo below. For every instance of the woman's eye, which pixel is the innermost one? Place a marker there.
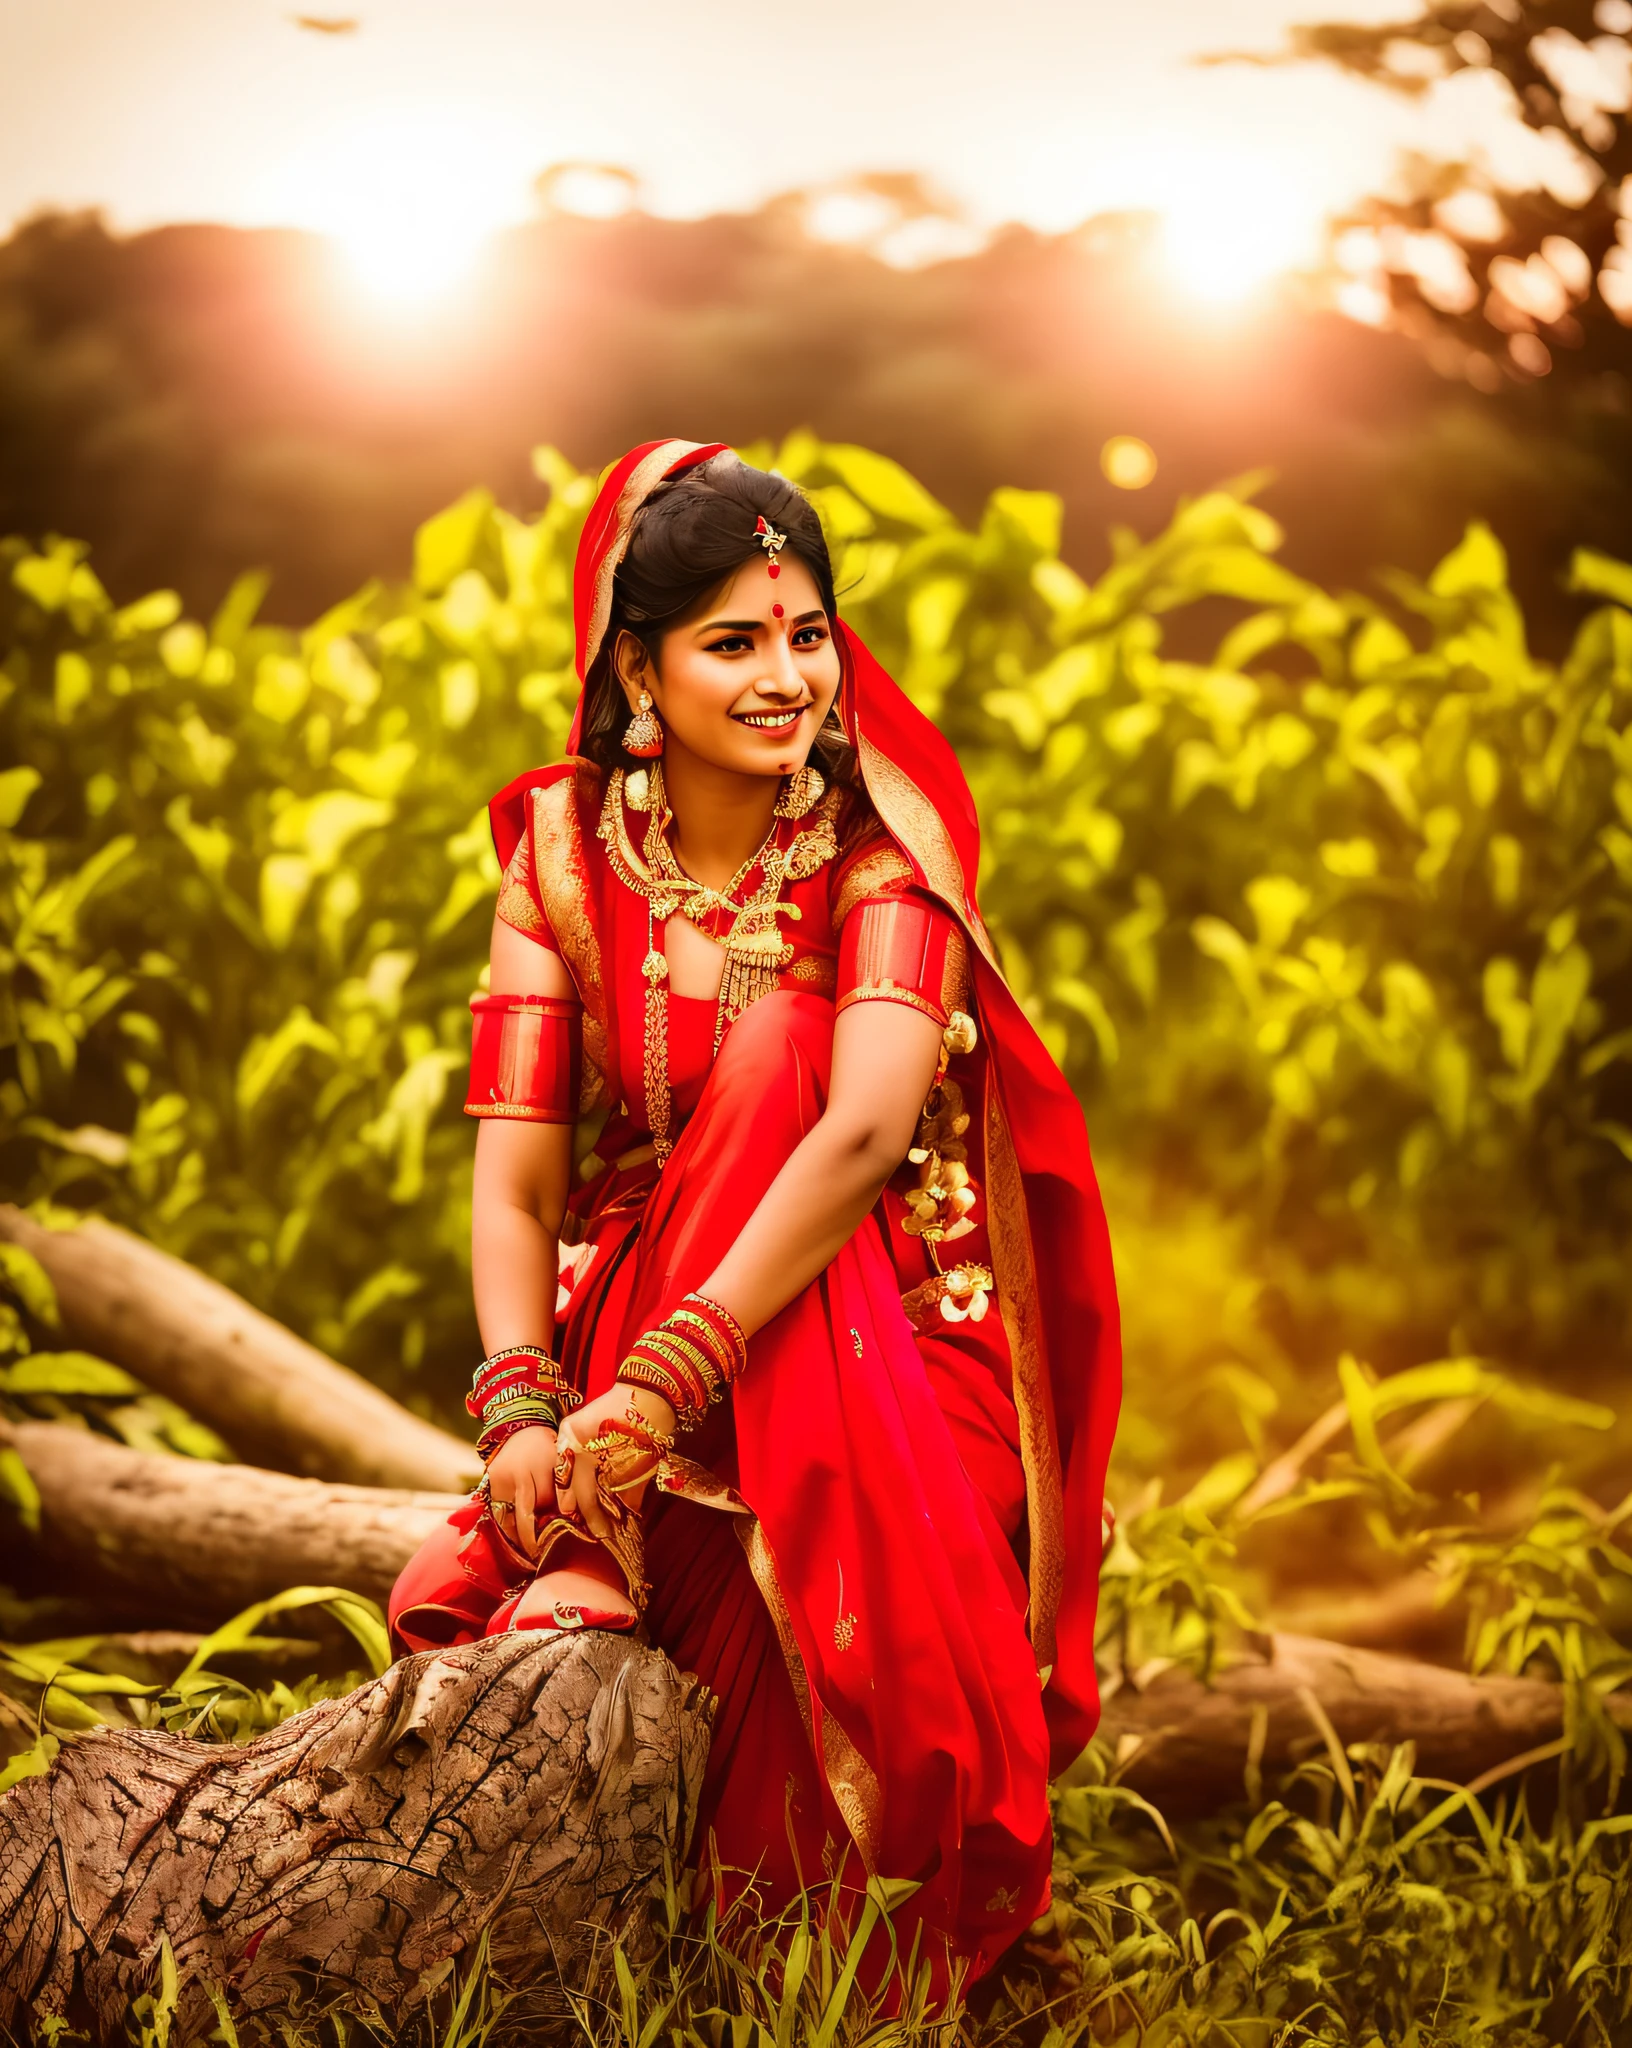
(809, 636)
(732, 644)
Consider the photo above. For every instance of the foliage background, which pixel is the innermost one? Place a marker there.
(1320, 899)
(1326, 921)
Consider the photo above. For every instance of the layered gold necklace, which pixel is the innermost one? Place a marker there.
(741, 918)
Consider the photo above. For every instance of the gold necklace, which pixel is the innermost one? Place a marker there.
(755, 949)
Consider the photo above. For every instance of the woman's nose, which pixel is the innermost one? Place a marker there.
(781, 677)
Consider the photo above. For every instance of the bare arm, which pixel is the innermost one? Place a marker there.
(884, 1058)
(523, 1176)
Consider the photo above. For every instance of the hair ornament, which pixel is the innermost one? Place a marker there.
(771, 541)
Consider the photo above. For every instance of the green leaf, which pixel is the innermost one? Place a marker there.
(67, 1373)
(1477, 563)
(1037, 516)
(269, 1059)
(31, 1283)
(886, 488)
(32, 1762)
(360, 1617)
(1601, 576)
(446, 544)
(17, 785)
(17, 1486)
(324, 826)
(150, 614)
(286, 882)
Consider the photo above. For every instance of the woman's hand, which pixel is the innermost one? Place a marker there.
(521, 1485)
(580, 1498)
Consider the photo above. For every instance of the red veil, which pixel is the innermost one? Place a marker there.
(1054, 1281)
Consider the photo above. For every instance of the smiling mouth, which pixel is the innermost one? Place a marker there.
(771, 721)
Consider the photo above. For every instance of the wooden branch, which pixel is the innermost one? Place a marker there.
(174, 1540)
(177, 1540)
(1186, 1746)
(529, 1788)
(1405, 1615)
(276, 1399)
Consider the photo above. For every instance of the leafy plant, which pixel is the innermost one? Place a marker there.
(65, 1694)
(1322, 903)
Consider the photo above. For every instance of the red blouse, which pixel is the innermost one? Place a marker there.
(864, 933)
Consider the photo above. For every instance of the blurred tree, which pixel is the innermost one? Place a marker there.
(196, 398)
(1501, 280)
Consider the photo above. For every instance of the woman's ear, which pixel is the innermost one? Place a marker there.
(632, 666)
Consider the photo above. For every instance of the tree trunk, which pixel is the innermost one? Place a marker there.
(528, 1788)
(172, 1541)
(271, 1395)
(1188, 1747)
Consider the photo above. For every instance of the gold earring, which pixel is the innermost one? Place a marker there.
(643, 736)
(804, 790)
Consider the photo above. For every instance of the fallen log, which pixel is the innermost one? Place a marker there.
(528, 1789)
(274, 1397)
(1189, 1747)
(173, 1541)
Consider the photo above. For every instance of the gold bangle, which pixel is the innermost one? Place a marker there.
(680, 1349)
(726, 1363)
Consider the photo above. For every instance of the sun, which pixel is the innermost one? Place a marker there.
(411, 197)
(1232, 223)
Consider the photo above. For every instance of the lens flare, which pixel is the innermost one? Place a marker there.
(1128, 462)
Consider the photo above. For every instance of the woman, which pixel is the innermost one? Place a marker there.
(780, 1426)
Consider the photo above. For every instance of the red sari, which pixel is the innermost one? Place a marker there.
(882, 1553)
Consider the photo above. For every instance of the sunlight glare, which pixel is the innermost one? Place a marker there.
(410, 196)
(1230, 229)
(1231, 221)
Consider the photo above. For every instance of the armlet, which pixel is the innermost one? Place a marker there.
(902, 949)
(525, 1054)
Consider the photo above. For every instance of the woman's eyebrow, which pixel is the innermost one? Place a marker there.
(756, 625)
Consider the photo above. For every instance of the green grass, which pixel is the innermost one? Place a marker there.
(1353, 1911)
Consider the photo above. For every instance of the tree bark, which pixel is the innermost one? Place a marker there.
(528, 1789)
(274, 1397)
(1187, 1747)
(172, 1541)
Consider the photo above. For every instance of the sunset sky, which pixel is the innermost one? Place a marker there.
(429, 123)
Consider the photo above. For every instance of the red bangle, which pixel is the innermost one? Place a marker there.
(694, 1354)
(516, 1372)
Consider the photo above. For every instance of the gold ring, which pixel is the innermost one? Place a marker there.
(503, 1507)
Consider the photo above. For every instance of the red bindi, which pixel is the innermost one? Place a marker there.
(776, 611)
(776, 568)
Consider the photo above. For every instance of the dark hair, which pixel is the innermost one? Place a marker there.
(692, 533)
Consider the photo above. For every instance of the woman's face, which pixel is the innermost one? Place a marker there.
(747, 679)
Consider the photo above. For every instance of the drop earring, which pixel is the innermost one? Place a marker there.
(643, 736)
(804, 791)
